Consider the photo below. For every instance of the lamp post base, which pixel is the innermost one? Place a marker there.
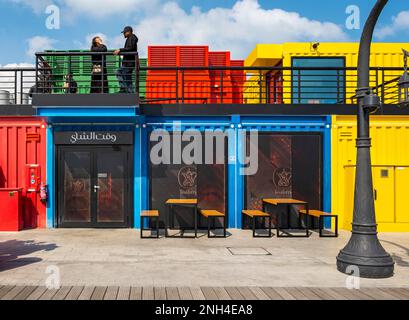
(365, 252)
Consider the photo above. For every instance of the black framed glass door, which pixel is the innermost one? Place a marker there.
(94, 186)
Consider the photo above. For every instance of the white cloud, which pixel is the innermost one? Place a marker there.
(39, 43)
(8, 79)
(399, 23)
(237, 29)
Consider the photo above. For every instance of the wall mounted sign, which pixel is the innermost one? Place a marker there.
(93, 137)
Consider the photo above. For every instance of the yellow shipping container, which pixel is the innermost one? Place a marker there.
(269, 55)
(390, 160)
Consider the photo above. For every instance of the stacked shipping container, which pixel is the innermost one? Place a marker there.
(168, 85)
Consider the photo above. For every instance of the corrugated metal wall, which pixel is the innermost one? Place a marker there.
(390, 152)
(22, 142)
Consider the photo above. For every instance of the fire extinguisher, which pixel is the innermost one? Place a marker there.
(43, 193)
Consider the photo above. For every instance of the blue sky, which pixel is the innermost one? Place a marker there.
(235, 25)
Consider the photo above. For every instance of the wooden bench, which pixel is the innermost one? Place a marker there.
(321, 215)
(213, 215)
(257, 214)
(150, 215)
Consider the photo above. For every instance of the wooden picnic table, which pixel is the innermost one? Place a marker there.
(170, 203)
(288, 203)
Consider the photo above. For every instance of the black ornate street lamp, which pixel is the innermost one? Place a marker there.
(364, 249)
(404, 84)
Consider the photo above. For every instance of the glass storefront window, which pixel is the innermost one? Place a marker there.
(318, 86)
(290, 167)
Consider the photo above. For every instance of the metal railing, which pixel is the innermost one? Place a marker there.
(263, 85)
(15, 85)
(191, 85)
(86, 72)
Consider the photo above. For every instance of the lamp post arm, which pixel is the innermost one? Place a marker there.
(365, 45)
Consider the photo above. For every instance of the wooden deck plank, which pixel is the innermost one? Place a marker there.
(221, 293)
(296, 293)
(148, 293)
(272, 294)
(172, 294)
(160, 293)
(74, 293)
(4, 290)
(260, 295)
(99, 293)
(62, 293)
(25, 293)
(404, 292)
(283, 292)
(324, 294)
(185, 294)
(197, 294)
(309, 294)
(395, 292)
(9, 295)
(123, 293)
(37, 293)
(247, 294)
(209, 293)
(48, 294)
(111, 293)
(86, 293)
(234, 293)
(136, 293)
(351, 294)
(377, 294)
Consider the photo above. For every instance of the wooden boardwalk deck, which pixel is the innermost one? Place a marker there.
(204, 293)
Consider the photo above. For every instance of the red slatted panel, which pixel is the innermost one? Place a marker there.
(220, 79)
(15, 152)
(238, 79)
(275, 79)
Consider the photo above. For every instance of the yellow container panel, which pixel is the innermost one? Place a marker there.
(402, 191)
(390, 149)
(382, 55)
(384, 194)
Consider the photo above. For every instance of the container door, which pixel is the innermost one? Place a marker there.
(401, 183)
(75, 202)
(112, 187)
(384, 193)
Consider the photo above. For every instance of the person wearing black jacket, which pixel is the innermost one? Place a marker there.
(124, 73)
(99, 78)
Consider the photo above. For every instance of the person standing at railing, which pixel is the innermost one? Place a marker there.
(70, 85)
(124, 73)
(99, 78)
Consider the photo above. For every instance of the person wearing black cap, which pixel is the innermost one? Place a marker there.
(124, 73)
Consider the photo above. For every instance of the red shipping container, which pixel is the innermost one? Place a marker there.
(11, 213)
(238, 78)
(220, 81)
(23, 143)
(275, 81)
(193, 85)
(161, 84)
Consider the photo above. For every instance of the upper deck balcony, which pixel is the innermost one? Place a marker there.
(193, 90)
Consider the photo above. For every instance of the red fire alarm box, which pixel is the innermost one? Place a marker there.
(11, 213)
(33, 177)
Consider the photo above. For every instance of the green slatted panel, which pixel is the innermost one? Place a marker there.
(81, 69)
